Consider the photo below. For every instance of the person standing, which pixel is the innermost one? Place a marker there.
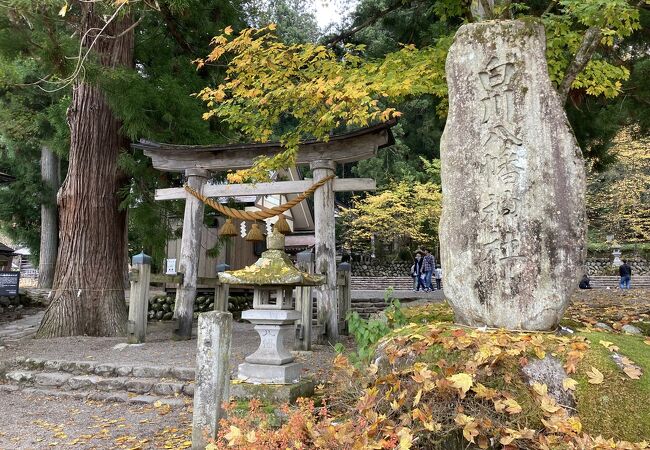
(428, 265)
(416, 272)
(438, 274)
(625, 271)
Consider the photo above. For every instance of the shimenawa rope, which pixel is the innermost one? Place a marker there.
(257, 215)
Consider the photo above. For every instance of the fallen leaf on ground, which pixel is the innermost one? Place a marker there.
(595, 376)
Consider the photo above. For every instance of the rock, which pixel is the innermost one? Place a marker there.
(83, 381)
(123, 371)
(51, 379)
(631, 329)
(603, 326)
(20, 376)
(139, 386)
(188, 389)
(513, 224)
(183, 373)
(167, 388)
(151, 372)
(111, 384)
(173, 402)
(144, 399)
(549, 371)
(105, 369)
(121, 346)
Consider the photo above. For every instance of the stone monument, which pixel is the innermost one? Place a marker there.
(512, 231)
(273, 278)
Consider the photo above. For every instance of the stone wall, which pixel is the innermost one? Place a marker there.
(382, 269)
(603, 266)
(595, 266)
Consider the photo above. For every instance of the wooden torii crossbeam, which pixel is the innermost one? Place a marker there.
(197, 161)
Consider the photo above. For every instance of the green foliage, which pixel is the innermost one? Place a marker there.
(368, 332)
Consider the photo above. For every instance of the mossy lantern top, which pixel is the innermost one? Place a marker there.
(273, 276)
(274, 268)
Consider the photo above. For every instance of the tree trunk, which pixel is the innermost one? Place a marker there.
(49, 220)
(88, 283)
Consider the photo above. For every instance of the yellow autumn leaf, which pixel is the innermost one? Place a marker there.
(609, 346)
(569, 384)
(462, 381)
(251, 437)
(540, 389)
(512, 407)
(632, 372)
(549, 405)
(405, 438)
(227, 30)
(416, 400)
(233, 435)
(595, 376)
(272, 26)
(64, 10)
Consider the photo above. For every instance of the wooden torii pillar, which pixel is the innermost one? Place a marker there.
(196, 162)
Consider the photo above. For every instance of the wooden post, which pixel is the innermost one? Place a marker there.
(212, 386)
(139, 299)
(189, 259)
(221, 293)
(326, 249)
(343, 276)
(304, 304)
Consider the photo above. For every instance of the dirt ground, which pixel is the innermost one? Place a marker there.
(38, 422)
(160, 350)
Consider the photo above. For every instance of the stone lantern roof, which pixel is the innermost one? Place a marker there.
(274, 268)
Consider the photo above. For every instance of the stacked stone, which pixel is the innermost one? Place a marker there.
(387, 269)
(14, 303)
(161, 307)
(603, 266)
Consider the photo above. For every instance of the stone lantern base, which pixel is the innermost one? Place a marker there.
(271, 363)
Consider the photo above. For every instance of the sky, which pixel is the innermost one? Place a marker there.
(328, 11)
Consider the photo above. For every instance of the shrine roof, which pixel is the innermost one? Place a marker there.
(342, 148)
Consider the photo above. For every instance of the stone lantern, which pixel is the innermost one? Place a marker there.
(616, 253)
(273, 278)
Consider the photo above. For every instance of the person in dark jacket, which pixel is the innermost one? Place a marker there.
(625, 271)
(585, 283)
(417, 273)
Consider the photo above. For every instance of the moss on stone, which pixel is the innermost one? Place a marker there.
(620, 406)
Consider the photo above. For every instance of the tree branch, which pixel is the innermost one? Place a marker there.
(587, 47)
(370, 21)
(173, 29)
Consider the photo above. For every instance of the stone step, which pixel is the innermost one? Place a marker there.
(102, 369)
(70, 382)
(111, 396)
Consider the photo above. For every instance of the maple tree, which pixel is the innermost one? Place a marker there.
(402, 213)
(618, 200)
(321, 88)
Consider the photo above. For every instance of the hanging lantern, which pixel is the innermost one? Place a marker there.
(282, 226)
(228, 228)
(255, 234)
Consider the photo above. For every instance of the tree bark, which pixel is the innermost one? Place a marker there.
(88, 284)
(590, 41)
(49, 219)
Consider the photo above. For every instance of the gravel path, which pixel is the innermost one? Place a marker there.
(38, 422)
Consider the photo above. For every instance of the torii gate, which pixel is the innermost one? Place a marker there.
(196, 161)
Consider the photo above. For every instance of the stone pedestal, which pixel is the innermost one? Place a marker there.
(271, 363)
